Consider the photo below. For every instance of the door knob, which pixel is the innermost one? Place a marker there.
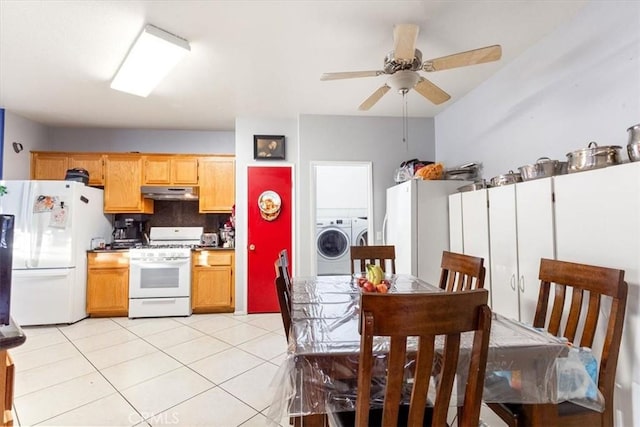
(252, 247)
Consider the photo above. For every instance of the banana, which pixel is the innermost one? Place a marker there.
(374, 274)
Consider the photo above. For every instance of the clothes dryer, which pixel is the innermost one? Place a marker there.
(333, 243)
(359, 231)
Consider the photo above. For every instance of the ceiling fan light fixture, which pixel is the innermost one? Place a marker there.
(403, 81)
(152, 56)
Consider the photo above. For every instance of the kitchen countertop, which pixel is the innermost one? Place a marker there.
(198, 249)
(211, 248)
(11, 335)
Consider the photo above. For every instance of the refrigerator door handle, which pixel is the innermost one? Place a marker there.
(42, 272)
(384, 229)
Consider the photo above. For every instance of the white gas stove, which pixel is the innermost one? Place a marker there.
(160, 273)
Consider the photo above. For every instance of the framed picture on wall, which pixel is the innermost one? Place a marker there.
(268, 147)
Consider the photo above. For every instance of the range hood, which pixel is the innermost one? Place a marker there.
(169, 193)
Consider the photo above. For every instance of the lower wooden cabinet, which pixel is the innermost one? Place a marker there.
(108, 284)
(212, 282)
(7, 374)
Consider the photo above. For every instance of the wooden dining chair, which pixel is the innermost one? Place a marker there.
(588, 286)
(425, 316)
(283, 285)
(363, 255)
(461, 272)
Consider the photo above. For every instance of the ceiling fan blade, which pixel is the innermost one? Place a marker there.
(350, 75)
(404, 42)
(462, 59)
(375, 97)
(430, 91)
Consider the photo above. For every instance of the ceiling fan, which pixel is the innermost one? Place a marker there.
(404, 61)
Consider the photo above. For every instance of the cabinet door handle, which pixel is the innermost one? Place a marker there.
(521, 284)
(252, 247)
(513, 282)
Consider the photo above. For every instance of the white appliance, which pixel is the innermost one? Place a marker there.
(359, 231)
(417, 224)
(160, 274)
(54, 224)
(333, 245)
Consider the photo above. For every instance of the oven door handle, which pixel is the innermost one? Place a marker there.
(159, 264)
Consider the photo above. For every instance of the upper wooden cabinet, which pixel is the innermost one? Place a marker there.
(55, 165)
(217, 184)
(122, 175)
(170, 170)
(123, 178)
(92, 163)
(49, 165)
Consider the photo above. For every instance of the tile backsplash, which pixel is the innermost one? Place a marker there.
(184, 214)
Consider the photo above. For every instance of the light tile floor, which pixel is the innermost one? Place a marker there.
(207, 370)
(203, 370)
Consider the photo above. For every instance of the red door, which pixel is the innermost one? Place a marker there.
(269, 231)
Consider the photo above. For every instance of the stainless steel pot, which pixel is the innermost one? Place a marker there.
(507, 178)
(474, 186)
(593, 157)
(544, 167)
(633, 147)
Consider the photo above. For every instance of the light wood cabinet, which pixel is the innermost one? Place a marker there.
(7, 378)
(107, 284)
(170, 170)
(92, 163)
(123, 178)
(49, 165)
(217, 184)
(122, 175)
(184, 170)
(212, 282)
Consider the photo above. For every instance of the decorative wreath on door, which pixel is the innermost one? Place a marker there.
(269, 203)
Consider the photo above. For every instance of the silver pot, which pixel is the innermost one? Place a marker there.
(593, 157)
(473, 186)
(507, 178)
(633, 147)
(542, 168)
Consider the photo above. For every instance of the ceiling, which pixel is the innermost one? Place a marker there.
(257, 58)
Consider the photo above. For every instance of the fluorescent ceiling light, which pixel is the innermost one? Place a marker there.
(154, 53)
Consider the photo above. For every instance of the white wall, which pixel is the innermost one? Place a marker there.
(142, 140)
(351, 138)
(581, 83)
(32, 136)
(578, 84)
(342, 190)
(245, 129)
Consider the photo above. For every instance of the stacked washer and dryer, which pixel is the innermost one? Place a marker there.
(334, 238)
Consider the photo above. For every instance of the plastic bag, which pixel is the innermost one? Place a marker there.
(577, 379)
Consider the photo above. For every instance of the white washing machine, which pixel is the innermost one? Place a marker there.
(359, 231)
(333, 243)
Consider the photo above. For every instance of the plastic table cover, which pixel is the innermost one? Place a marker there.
(319, 374)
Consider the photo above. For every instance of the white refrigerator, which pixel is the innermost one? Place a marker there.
(54, 224)
(417, 224)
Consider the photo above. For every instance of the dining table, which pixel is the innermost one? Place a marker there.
(319, 374)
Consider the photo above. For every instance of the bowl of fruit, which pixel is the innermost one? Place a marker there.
(374, 279)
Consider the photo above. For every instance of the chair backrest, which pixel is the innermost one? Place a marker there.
(426, 316)
(283, 285)
(588, 285)
(363, 255)
(283, 258)
(461, 272)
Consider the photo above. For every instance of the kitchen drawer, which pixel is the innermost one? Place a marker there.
(108, 259)
(208, 258)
